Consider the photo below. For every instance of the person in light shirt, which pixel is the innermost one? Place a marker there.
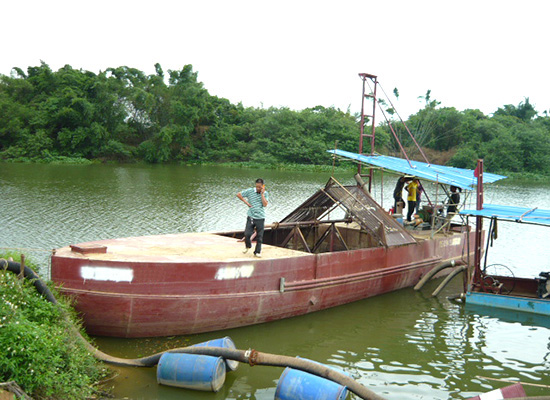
(256, 198)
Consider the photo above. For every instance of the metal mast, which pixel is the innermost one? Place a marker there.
(365, 118)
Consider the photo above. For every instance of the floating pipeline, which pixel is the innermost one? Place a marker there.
(251, 356)
(192, 371)
(295, 384)
(225, 342)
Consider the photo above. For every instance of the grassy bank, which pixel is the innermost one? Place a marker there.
(37, 349)
(340, 166)
(51, 160)
(525, 177)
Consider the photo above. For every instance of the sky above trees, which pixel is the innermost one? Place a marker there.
(300, 54)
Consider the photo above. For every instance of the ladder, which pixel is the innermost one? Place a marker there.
(366, 118)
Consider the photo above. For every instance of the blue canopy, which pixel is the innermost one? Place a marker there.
(463, 178)
(510, 213)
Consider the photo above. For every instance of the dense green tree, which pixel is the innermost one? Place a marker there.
(465, 157)
(502, 153)
(525, 111)
(534, 147)
(125, 114)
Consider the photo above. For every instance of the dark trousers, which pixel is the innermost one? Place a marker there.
(249, 230)
(412, 206)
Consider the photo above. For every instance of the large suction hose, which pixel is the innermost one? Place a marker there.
(433, 272)
(251, 357)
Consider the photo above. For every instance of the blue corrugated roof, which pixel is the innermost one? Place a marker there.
(460, 177)
(510, 213)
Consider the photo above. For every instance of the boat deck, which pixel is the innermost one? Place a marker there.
(183, 247)
(186, 247)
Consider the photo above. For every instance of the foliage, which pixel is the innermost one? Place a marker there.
(510, 141)
(123, 114)
(524, 111)
(37, 349)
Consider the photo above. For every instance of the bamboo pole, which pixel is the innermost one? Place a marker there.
(510, 381)
(13, 387)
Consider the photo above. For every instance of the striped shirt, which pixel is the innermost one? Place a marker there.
(257, 211)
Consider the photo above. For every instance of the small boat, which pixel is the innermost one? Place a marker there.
(495, 285)
(313, 259)
(514, 391)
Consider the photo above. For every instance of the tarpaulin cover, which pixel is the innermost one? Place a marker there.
(509, 213)
(463, 178)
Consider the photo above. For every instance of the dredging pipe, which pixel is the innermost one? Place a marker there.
(251, 356)
(448, 278)
(433, 272)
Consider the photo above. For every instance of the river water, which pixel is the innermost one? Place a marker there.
(403, 345)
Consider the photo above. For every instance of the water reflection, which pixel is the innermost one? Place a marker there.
(403, 345)
(400, 345)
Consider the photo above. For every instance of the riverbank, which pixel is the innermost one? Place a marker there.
(37, 349)
(339, 166)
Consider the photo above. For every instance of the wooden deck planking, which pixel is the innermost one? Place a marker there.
(184, 247)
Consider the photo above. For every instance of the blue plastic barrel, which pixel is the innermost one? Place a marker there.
(398, 218)
(299, 385)
(191, 371)
(222, 342)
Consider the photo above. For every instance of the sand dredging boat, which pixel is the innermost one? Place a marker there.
(197, 282)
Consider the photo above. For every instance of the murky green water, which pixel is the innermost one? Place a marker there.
(403, 345)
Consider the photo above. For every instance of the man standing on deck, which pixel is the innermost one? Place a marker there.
(412, 187)
(256, 199)
(419, 191)
(454, 200)
(398, 193)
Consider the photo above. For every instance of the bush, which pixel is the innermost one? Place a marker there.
(465, 157)
(116, 150)
(37, 347)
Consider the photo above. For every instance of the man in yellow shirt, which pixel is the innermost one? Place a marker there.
(411, 188)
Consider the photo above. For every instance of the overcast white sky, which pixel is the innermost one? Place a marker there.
(471, 54)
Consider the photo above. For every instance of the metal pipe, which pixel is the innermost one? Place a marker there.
(406, 127)
(447, 279)
(362, 126)
(433, 271)
(306, 223)
(479, 222)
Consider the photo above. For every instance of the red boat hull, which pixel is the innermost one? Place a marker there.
(162, 296)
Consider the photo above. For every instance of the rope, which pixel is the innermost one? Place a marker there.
(405, 125)
(393, 132)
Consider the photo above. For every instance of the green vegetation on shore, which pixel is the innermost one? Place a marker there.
(122, 114)
(37, 349)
